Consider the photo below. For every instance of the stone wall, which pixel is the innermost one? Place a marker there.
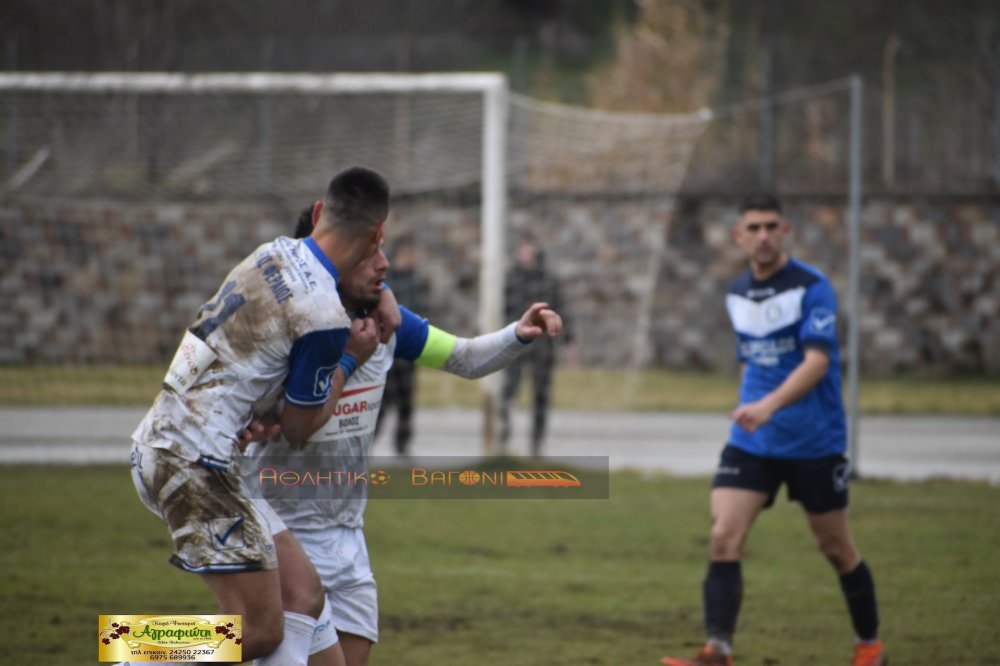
(92, 281)
(930, 279)
(85, 282)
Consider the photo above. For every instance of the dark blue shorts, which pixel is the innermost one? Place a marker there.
(820, 484)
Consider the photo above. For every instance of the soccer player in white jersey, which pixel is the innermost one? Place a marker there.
(276, 324)
(330, 530)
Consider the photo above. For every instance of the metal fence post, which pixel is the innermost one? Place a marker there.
(854, 270)
(265, 116)
(765, 163)
(996, 136)
(12, 126)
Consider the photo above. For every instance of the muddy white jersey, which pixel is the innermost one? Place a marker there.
(275, 326)
(343, 443)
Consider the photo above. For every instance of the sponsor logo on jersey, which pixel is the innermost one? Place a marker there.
(324, 381)
(193, 357)
(300, 267)
(822, 321)
(355, 413)
(767, 351)
(756, 294)
(227, 533)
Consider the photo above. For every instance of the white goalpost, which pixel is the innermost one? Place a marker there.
(167, 178)
(491, 87)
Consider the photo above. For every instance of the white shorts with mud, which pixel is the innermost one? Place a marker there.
(215, 527)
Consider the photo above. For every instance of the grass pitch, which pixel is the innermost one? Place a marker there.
(527, 583)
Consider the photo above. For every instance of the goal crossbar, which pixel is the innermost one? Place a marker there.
(250, 82)
(492, 86)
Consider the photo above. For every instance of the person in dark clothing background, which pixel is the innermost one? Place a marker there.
(529, 282)
(410, 289)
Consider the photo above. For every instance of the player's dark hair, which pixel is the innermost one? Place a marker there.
(304, 227)
(760, 201)
(357, 201)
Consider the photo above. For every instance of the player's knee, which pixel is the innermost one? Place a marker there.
(305, 597)
(726, 542)
(263, 629)
(836, 559)
(262, 635)
(301, 589)
(315, 601)
(838, 553)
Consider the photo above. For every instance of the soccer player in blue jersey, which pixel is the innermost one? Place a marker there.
(789, 428)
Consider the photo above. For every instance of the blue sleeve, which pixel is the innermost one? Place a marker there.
(411, 336)
(311, 363)
(819, 316)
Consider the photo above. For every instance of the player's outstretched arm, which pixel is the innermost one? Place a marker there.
(477, 357)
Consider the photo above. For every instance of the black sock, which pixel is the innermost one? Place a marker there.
(722, 593)
(859, 591)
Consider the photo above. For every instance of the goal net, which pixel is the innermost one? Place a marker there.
(126, 198)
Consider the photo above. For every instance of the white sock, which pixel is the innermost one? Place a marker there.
(325, 634)
(294, 649)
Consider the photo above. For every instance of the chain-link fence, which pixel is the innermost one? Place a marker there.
(121, 213)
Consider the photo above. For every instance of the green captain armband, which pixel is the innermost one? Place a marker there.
(437, 349)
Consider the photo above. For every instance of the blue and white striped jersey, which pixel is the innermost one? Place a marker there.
(775, 320)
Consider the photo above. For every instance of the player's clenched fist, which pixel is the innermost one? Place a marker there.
(538, 319)
(363, 340)
(751, 415)
(387, 316)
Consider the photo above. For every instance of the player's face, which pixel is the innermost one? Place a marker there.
(361, 289)
(761, 234)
